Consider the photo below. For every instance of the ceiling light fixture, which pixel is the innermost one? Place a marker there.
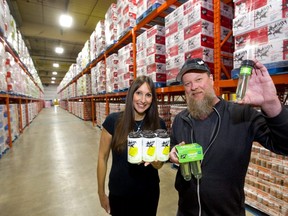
(52, 81)
(55, 65)
(53, 78)
(54, 73)
(65, 20)
(59, 50)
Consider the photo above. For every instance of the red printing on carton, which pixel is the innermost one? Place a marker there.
(259, 35)
(171, 29)
(192, 30)
(156, 67)
(258, 3)
(173, 51)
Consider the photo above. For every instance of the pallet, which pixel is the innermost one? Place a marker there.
(147, 12)
(123, 90)
(102, 92)
(160, 84)
(111, 45)
(150, 10)
(173, 83)
(125, 32)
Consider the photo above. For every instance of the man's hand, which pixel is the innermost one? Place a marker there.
(262, 92)
(173, 154)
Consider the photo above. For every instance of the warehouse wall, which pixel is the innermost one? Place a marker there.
(50, 92)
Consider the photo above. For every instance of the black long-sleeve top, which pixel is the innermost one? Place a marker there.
(126, 178)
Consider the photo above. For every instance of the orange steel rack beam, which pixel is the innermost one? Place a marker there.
(217, 46)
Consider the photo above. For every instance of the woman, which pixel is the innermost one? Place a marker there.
(133, 188)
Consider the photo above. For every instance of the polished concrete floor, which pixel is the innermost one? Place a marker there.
(51, 170)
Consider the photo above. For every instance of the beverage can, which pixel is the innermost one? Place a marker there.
(134, 145)
(163, 146)
(149, 146)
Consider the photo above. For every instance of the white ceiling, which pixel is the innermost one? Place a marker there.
(37, 20)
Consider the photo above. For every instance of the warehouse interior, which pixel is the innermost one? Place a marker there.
(38, 21)
(43, 168)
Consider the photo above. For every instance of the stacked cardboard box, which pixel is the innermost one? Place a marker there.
(111, 20)
(100, 113)
(24, 115)
(164, 113)
(97, 40)
(175, 109)
(98, 78)
(112, 73)
(125, 67)
(3, 129)
(260, 29)
(84, 85)
(266, 185)
(114, 107)
(14, 121)
(3, 6)
(127, 11)
(151, 57)
(87, 112)
(190, 34)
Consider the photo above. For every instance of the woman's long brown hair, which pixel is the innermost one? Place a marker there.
(126, 121)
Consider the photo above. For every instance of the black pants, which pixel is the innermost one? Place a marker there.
(142, 205)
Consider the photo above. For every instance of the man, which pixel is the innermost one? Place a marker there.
(226, 131)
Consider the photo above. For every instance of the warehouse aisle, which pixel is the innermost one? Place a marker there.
(51, 170)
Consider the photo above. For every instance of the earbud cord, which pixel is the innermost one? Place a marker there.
(211, 142)
(198, 196)
(216, 134)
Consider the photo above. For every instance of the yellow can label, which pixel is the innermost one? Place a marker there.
(133, 151)
(166, 150)
(151, 150)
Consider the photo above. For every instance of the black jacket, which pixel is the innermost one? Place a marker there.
(227, 144)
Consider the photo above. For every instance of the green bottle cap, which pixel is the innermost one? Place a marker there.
(246, 67)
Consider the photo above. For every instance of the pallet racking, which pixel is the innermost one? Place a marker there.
(156, 17)
(22, 101)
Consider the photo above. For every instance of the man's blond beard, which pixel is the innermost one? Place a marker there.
(201, 109)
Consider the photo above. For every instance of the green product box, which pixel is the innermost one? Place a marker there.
(189, 152)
